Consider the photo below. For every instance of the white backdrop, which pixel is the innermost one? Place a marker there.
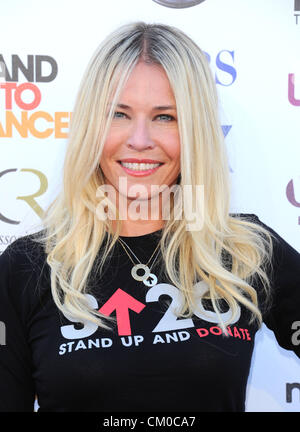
(254, 52)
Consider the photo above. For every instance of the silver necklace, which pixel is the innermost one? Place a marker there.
(148, 278)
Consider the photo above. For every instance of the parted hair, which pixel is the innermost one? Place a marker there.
(74, 234)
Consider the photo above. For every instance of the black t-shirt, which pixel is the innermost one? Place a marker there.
(149, 359)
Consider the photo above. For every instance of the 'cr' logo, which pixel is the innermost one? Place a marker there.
(29, 199)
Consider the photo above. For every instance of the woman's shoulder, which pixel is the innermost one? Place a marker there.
(249, 217)
(256, 220)
(27, 250)
(24, 279)
(281, 248)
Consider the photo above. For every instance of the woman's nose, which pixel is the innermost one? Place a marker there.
(140, 137)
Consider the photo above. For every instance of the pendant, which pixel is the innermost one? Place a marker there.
(147, 278)
(137, 267)
(151, 280)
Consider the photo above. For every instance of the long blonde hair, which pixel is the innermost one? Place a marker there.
(73, 232)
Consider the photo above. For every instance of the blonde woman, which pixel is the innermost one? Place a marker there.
(118, 304)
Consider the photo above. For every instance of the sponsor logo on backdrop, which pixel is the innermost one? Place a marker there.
(224, 62)
(5, 241)
(297, 11)
(29, 199)
(178, 4)
(290, 189)
(291, 90)
(225, 75)
(291, 195)
(22, 99)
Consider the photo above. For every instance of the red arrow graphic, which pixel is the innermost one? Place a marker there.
(121, 302)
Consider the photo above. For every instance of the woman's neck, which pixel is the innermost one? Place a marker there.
(131, 228)
(150, 221)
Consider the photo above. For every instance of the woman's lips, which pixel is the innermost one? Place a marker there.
(139, 173)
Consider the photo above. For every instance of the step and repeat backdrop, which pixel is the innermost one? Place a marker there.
(253, 49)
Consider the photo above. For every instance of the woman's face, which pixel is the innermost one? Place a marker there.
(143, 146)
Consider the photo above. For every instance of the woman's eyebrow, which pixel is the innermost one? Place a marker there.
(160, 107)
(165, 107)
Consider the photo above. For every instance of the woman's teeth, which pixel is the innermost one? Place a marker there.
(139, 166)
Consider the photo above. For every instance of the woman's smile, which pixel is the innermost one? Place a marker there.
(139, 168)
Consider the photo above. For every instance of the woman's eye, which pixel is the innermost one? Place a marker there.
(165, 117)
(119, 114)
